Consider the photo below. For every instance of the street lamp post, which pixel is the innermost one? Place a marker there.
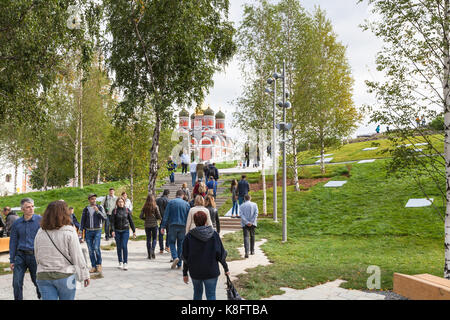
(283, 126)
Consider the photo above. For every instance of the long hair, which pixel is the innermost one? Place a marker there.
(209, 201)
(233, 183)
(202, 188)
(55, 216)
(199, 201)
(149, 206)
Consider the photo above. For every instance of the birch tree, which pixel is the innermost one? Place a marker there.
(166, 52)
(415, 62)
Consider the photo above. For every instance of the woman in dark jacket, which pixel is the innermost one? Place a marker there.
(234, 198)
(121, 221)
(210, 204)
(150, 213)
(202, 252)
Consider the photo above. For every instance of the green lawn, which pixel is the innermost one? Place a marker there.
(338, 232)
(354, 151)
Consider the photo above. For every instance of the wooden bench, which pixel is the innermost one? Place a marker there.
(4, 244)
(422, 287)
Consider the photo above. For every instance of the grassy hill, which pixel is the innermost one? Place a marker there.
(338, 232)
(354, 151)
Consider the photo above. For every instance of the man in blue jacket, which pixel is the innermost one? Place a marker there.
(175, 217)
(91, 221)
(21, 247)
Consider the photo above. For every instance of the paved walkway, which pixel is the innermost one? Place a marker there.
(154, 280)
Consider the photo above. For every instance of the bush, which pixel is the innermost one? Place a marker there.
(437, 124)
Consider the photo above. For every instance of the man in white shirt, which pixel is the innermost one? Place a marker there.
(249, 214)
(109, 204)
(184, 163)
(193, 170)
(128, 203)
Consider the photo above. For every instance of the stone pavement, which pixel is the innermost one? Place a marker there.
(154, 280)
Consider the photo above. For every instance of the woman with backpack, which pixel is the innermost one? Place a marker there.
(150, 213)
(121, 221)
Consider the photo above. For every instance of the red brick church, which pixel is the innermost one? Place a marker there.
(208, 139)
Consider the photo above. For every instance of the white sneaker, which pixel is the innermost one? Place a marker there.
(120, 265)
(125, 266)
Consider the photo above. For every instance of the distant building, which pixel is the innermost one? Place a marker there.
(208, 140)
(7, 178)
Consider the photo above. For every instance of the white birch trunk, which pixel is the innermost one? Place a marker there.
(81, 149)
(446, 85)
(132, 173)
(46, 174)
(98, 175)
(322, 152)
(75, 160)
(16, 168)
(294, 153)
(263, 172)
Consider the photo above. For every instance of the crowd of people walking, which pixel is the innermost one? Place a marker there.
(49, 246)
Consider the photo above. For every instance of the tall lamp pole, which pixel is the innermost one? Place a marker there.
(283, 126)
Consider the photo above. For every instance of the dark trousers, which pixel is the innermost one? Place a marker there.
(249, 238)
(108, 230)
(22, 262)
(184, 168)
(161, 238)
(151, 239)
(172, 177)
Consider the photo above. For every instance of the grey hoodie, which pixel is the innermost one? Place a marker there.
(203, 233)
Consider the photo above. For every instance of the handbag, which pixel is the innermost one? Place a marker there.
(232, 293)
(76, 275)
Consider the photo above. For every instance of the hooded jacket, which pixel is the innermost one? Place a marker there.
(202, 252)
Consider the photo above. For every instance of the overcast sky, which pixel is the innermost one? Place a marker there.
(346, 16)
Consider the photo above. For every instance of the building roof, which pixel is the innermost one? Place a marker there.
(184, 113)
(220, 115)
(208, 112)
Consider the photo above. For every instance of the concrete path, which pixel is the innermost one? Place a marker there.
(154, 280)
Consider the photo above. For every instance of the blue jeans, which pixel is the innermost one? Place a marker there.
(176, 234)
(22, 262)
(122, 238)
(93, 243)
(64, 289)
(235, 208)
(194, 176)
(151, 239)
(210, 288)
(172, 177)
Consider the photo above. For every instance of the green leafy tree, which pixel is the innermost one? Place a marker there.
(165, 53)
(415, 61)
(325, 87)
(34, 39)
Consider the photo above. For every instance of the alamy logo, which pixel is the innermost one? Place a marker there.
(374, 281)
